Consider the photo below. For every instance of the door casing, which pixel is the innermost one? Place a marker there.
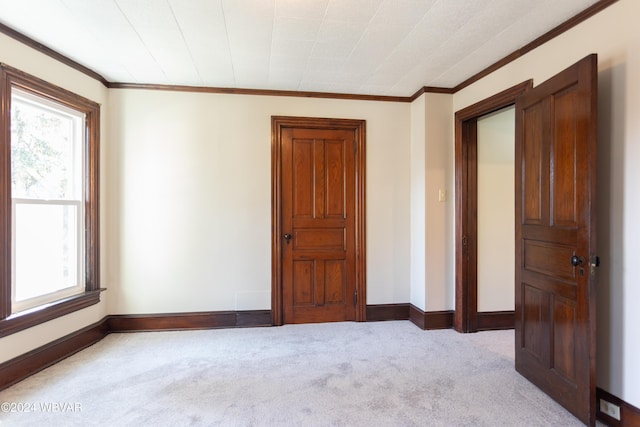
(466, 304)
(278, 123)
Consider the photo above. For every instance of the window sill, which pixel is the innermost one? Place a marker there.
(21, 321)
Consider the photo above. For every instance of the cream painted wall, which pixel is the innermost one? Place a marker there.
(418, 295)
(496, 226)
(614, 35)
(191, 204)
(25, 59)
(431, 230)
(439, 214)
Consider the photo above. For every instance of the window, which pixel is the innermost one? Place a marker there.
(48, 201)
(47, 142)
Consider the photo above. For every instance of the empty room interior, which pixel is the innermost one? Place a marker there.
(455, 173)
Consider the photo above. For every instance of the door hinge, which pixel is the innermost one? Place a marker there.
(355, 297)
(594, 262)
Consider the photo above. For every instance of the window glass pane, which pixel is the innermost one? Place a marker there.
(46, 155)
(46, 249)
(47, 148)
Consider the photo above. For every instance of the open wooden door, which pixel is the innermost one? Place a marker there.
(556, 238)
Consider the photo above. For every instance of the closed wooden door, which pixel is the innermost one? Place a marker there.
(555, 237)
(318, 222)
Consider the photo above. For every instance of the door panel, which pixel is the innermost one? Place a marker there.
(323, 238)
(564, 315)
(303, 184)
(334, 162)
(317, 227)
(534, 149)
(304, 278)
(555, 237)
(334, 277)
(533, 318)
(548, 258)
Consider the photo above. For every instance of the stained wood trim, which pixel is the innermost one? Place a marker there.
(27, 364)
(495, 320)
(38, 86)
(11, 77)
(361, 222)
(359, 127)
(629, 414)
(550, 35)
(430, 89)
(19, 322)
(5, 195)
(186, 321)
(495, 102)
(417, 317)
(381, 312)
(28, 41)
(276, 227)
(431, 319)
(263, 92)
(466, 233)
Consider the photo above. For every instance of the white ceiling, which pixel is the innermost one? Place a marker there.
(374, 47)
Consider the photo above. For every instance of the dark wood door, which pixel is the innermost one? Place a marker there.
(318, 224)
(556, 236)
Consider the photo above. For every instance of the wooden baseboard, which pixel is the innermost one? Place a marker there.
(184, 321)
(629, 414)
(495, 320)
(431, 319)
(380, 312)
(25, 365)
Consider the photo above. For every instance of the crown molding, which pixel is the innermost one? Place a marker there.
(549, 35)
(262, 92)
(28, 41)
(565, 26)
(430, 89)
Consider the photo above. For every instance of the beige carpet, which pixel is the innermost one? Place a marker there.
(340, 374)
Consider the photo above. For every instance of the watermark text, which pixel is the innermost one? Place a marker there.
(50, 407)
